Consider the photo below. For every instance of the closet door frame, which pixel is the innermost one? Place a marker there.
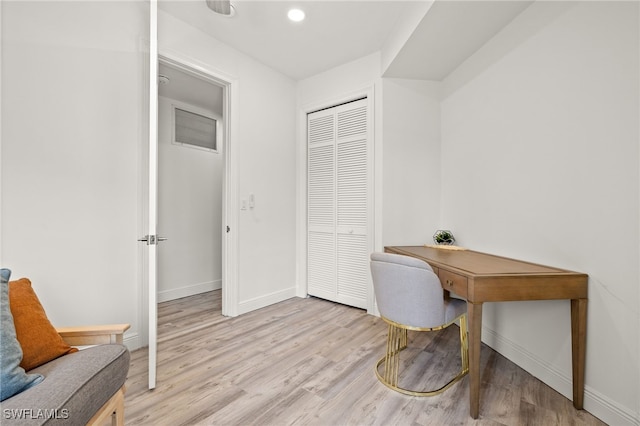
(301, 183)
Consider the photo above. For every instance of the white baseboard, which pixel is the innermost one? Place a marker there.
(132, 341)
(594, 402)
(188, 290)
(266, 300)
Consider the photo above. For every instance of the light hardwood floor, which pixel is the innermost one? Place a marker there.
(310, 362)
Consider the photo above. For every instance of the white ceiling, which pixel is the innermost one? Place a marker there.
(186, 88)
(339, 31)
(333, 33)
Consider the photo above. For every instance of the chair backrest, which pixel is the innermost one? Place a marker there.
(407, 290)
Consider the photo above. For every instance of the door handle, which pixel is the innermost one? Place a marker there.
(152, 240)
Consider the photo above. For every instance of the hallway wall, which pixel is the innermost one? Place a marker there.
(189, 213)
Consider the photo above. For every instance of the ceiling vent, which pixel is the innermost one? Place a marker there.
(221, 7)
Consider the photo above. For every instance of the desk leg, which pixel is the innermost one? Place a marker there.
(474, 313)
(578, 348)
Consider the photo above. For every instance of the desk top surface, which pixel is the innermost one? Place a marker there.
(477, 263)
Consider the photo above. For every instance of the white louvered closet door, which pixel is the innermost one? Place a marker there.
(339, 203)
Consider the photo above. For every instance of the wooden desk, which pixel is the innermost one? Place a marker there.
(480, 277)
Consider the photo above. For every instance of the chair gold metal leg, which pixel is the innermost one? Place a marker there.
(391, 379)
(403, 339)
(397, 341)
(394, 354)
(388, 359)
(464, 344)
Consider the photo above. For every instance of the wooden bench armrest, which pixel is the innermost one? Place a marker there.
(93, 334)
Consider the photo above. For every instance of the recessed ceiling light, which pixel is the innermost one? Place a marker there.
(296, 15)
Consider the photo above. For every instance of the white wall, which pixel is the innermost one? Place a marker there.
(340, 81)
(189, 213)
(540, 161)
(265, 150)
(411, 161)
(72, 85)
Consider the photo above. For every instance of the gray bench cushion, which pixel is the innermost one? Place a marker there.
(75, 387)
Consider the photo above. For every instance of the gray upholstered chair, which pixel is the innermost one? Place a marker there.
(410, 297)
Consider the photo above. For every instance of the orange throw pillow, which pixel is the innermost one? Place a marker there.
(39, 340)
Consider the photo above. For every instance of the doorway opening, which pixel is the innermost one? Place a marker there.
(191, 144)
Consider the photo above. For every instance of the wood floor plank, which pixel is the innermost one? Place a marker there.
(311, 362)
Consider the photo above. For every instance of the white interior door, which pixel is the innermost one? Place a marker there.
(151, 237)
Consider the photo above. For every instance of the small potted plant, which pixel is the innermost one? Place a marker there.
(443, 237)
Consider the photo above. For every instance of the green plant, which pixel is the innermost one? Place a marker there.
(443, 237)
